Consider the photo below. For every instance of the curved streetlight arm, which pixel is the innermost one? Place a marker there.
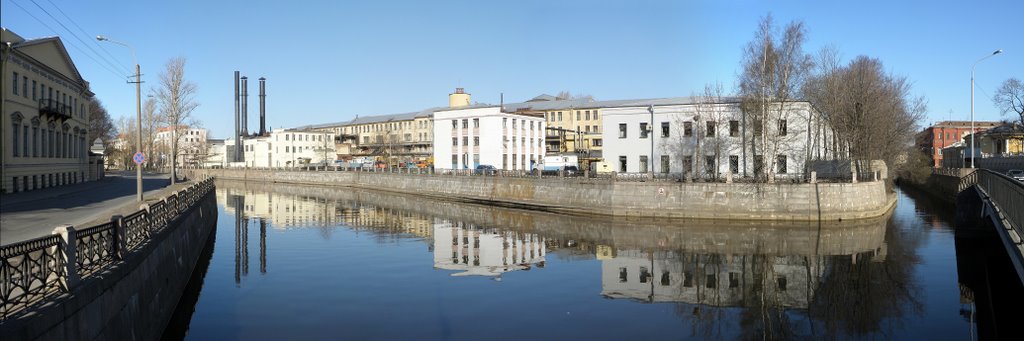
(134, 59)
(973, 130)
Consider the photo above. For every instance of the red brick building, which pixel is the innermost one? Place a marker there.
(945, 133)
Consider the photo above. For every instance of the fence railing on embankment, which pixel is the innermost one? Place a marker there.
(1006, 193)
(793, 177)
(34, 270)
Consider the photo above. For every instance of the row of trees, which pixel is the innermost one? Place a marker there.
(871, 113)
(170, 106)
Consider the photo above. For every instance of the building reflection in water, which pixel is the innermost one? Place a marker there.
(765, 269)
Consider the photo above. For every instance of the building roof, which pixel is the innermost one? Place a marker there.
(376, 119)
(964, 124)
(19, 44)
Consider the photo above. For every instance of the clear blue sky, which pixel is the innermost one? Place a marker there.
(327, 61)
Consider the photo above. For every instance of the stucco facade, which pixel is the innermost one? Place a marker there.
(467, 137)
(44, 118)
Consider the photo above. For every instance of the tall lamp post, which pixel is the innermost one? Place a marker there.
(138, 112)
(973, 132)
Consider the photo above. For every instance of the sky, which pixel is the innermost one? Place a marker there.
(329, 61)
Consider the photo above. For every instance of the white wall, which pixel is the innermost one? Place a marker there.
(502, 136)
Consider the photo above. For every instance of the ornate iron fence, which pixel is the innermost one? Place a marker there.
(35, 269)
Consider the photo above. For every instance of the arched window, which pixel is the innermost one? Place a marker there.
(35, 137)
(16, 132)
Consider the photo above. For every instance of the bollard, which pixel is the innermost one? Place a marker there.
(120, 238)
(728, 177)
(814, 177)
(68, 234)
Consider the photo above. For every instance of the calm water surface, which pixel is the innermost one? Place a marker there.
(297, 262)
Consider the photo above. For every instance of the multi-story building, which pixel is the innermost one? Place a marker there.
(573, 126)
(44, 120)
(933, 139)
(286, 148)
(680, 135)
(191, 145)
(393, 138)
(477, 251)
(466, 137)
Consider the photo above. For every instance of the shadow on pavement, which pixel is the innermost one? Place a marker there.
(77, 195)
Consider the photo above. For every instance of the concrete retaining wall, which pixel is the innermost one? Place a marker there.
(131, 300)
(827, 201)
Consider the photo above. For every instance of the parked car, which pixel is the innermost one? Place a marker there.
(571, 171)
(1016, 174)
(485, 170)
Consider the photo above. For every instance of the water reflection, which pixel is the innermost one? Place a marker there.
(724, 279)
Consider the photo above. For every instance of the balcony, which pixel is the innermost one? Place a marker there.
(52, 108)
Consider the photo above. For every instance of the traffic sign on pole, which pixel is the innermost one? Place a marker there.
(139, 158)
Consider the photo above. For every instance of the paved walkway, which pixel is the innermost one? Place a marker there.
(34, 214)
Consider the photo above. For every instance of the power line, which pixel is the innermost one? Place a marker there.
(115, 73)
(74, 35)
(88, 36)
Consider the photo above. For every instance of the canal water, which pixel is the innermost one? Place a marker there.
(303, 262)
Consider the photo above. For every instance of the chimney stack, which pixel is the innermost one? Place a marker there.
(263, 106)
(245, 106)
(238, 128)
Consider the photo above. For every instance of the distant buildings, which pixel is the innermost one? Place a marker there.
(933, 139)
(285, 148)
(472, 136)
(45, 119)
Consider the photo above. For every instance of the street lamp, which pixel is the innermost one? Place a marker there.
(138, 112)
(973, 153)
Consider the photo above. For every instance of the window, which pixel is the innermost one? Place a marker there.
(595, 114)
(622, 130)
(465, 123)
(664, 164)
(504, 122)
(665, 279)
(465, 140)
(286, 137)
(622, 164)
(709, 165)
(287, 149)
(734, 128)
(476, 123)
(643, 130)
(476, 140)
(711, 129)
(664, 129)
(24, 86)
(15, 127)
(643, 163)
(687, 129)
(623, 275)
(687, 164)
(782, 283)
(645, 274)
(711, 282)
(758, 164)
(559, 116)
(734, 164)
(782, 164)
(734, 280)
(757, 128)
(455, 161)
(35, 141)
(14, 81)
(504, 161)
(597, 142)
(587, 114)
(687, 279)
(782, 127)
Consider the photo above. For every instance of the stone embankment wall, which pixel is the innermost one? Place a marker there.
(738, 201)
(130, 300)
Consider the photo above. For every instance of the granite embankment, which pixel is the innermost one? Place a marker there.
(669, 199)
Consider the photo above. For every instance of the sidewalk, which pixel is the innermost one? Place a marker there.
(34, 214)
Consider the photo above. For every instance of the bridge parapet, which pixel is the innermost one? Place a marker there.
(37, 269)
(1006, 193)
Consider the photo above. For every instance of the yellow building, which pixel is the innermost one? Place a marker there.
(1004, 140)
(573, 125)
(44, 118)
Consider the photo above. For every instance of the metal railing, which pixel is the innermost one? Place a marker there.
(52, 106)
(32, 270)
(1004, 192)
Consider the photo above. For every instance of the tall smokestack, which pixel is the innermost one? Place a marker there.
(263, 106)
(238, 128)
(245, 106)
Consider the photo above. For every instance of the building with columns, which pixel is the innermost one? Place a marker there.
(44, 118)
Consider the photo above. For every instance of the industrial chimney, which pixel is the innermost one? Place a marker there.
(263, 106)
(238, 128)
(245, 106)
(458, 99)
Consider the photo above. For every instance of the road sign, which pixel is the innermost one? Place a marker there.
(139, 158)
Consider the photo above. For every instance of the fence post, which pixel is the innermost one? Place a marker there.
(853, 174)
(728, 177)
(814, 177)
(68, 234)
(120, 238)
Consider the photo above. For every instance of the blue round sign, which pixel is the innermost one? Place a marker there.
(139, 158)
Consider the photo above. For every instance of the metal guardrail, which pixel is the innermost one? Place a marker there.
(612, 176)
(1005, 192)
(35, 269)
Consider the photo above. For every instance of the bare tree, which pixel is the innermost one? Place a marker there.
(100, 125)
(1010, 98)
(150, 123)
(774, 69)
(175, 96)
(565, 94)
(872, 114)
(124, 145)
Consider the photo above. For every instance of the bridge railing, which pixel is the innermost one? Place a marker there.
(33, 270)
(1004, 192)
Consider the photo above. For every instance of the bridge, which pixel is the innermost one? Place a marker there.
(995, 201)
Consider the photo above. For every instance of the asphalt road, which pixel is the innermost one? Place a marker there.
(34, 214)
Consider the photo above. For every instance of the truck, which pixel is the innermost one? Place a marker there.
(554, 163)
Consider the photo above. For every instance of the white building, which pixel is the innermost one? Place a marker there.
(467, 137)
(286, 148)
(191, 145)
(474, 251)
(687, 136)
